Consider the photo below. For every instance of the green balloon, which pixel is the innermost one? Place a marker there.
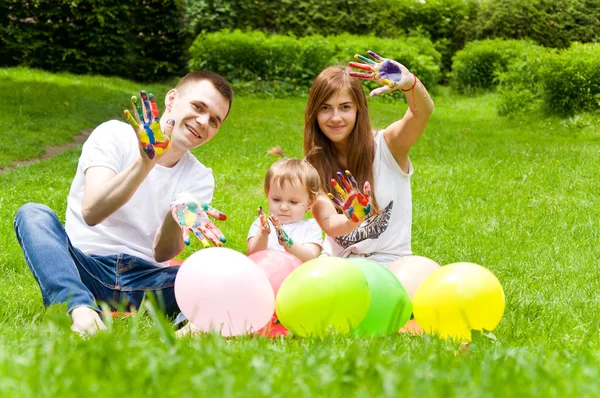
(390, 304)
(322, 296)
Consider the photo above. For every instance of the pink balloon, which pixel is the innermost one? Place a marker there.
(276, 264)
(222, 290)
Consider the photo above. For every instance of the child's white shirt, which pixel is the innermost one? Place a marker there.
(301, 232)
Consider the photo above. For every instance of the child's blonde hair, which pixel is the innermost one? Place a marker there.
(292, 171)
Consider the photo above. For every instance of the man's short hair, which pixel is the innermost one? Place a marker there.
(218, 81)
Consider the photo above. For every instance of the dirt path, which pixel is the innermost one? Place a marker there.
(50, 151)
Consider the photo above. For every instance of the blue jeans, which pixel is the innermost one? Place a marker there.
(66, 275)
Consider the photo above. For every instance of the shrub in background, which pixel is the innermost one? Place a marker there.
(521, 86)
(446, 22)
(443, 21)
(475, 67)
(135, 40)
(531, 77)
(571, 79)
(292, 63)
(550, 23)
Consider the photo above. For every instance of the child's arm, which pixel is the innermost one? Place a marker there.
(304, 252)
(260, 241)
(310, 245)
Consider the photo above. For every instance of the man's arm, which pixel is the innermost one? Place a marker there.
(168, 241)
(106, 191)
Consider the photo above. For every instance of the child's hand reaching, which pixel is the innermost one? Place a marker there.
(390, 74)
(194, 216)
(264, 221)
(282, 236)
(354, 204)
(147, 126)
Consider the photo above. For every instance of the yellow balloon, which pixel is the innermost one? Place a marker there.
(458, 298)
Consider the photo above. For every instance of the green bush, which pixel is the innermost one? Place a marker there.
(564, 82)
(476, 67)
(254, 56)
(443, 21)
(135, 40)
(251, 59)
(551, 23)
(521, 86)
(571, 80)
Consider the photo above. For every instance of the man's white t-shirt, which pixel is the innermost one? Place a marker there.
(385, 237)
(301, 232)
(131, 229)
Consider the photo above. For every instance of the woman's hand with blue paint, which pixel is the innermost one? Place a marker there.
(354, 204)
(193, 216)
(390, 74)
(153, 141)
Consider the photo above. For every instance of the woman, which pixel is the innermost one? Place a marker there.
(337, 121)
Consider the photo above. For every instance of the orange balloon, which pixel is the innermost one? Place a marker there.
(411, 271)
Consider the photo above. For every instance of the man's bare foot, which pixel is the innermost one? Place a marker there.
(187, 330)
(86, 321)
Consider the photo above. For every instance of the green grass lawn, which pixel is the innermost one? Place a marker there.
(518, 196)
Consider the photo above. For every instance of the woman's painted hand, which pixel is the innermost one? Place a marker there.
(390, 74)
(354, 204)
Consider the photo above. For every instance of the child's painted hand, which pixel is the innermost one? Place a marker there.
(282, 236)
(147, 126)
(354, 204)
(390, 74)
(194, 216)
(264, 220)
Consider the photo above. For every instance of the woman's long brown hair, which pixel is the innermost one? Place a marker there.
(361, 144)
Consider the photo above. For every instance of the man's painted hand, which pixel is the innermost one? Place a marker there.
(146, 124)
(193, 216)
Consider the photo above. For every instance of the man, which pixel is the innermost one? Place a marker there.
(133, 192)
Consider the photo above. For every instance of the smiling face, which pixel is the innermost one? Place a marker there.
(199, 109)
(337, 117)
(288, 202)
